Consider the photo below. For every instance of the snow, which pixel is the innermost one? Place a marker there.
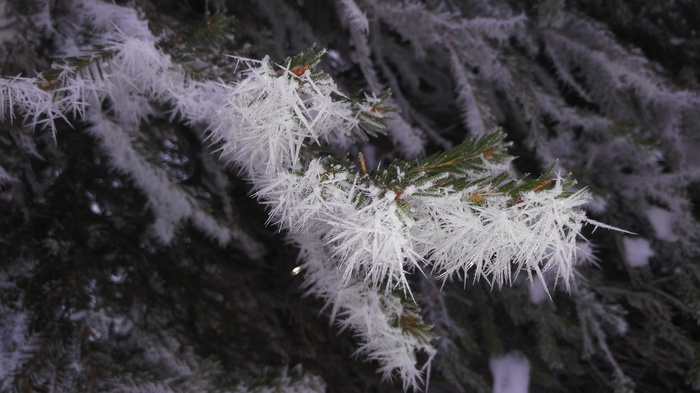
(662, 221)
(637, 251)
(537, 292)
(511, 373)
(585, 253)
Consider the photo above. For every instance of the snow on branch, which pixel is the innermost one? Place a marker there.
(363, 233)
(128, 75)
(168, 201)
(390, 328)
(277, 110)
(25, 100)
(535, 232)
(356, 19)
(105, 17)
(452, 214)
(476, 116)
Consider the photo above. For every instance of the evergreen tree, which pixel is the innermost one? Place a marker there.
(241, 195)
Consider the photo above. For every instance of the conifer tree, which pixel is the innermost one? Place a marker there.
(352, 195)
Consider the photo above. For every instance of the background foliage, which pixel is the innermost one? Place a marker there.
(91, 300)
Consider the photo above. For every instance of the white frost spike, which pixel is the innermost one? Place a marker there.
(270, 117)
(537, 234)
(554, 225)
(374, 242)
(296, 201)
(22, 98)
(370, 315)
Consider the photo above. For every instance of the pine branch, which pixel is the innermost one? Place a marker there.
(456, 211)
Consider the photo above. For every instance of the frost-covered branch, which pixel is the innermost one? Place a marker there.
(371, 229)
(365, 232)
(129, 75)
